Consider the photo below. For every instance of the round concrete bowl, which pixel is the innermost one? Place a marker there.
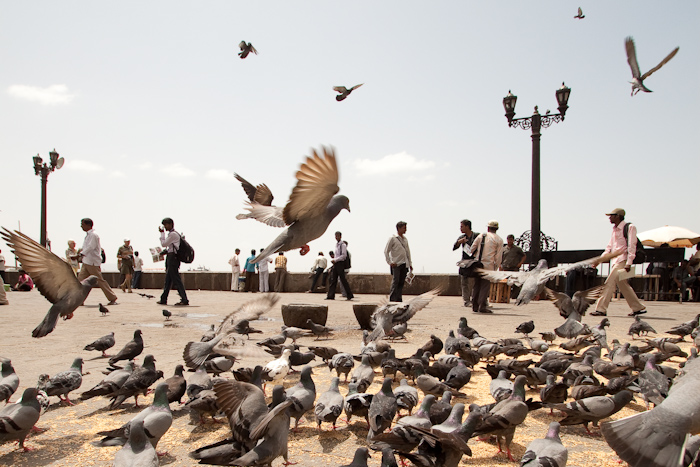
(296, 314)
(363, 314)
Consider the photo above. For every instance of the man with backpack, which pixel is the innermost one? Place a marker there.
(624, 237)
(172, 243)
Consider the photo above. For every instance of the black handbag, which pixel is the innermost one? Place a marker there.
(469, 266)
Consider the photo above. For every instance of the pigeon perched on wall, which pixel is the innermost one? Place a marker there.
(344, 92)
(17, 419)
(311, 208)
(102, 344)
(53, 277)
(637, 78)
(246, 49)
(532, 282)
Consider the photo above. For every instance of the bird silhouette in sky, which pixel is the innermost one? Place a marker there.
(246, 49)
(637, 78)
(344, 92)
(580, 14)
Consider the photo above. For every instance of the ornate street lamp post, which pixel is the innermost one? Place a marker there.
(42, 169)
(536, 122)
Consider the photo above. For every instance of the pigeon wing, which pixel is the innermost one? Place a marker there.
(632, 57)
(584, 298)
(270, 215)
(356, 86)
(551, 273)
(242, 45)
(341, 89)
(663, 62)
(513, 277)
(261, 194)
(317, 182)
(415, 305)
(53, 277)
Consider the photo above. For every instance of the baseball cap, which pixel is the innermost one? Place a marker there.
(616, 212)
(493, 223)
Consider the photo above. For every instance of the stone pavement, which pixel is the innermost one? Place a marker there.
(71, 429)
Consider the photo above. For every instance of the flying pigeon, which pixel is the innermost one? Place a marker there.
(344, 92)
(102, 344)
(391, 313)
(17, 419)
(246, 49)
(533, 281)
(579, 303)
(311, 208)
(580, 15)
(260, 194)
(637, 78)
(53, 277)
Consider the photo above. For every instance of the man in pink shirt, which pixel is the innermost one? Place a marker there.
(621, 263)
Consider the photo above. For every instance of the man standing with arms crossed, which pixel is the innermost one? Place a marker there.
(235, 270)
(398, 256)
(465, 241)
(491, 257)
(620, 264)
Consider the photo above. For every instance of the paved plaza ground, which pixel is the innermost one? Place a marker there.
(71, 429)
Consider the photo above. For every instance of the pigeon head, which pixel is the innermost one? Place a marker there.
(77, 363)
(542, 264)
(338, 203)
(91, 281)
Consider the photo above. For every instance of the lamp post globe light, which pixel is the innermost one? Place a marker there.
(536, 122)
(43, 169)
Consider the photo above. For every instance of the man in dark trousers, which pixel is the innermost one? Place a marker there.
(464, 242)
(338, 273)
(398, 257)
(171, 243)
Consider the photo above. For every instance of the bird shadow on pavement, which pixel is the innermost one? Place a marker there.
(329, 440)
(128, 409)
(45, 452)
(166, 459)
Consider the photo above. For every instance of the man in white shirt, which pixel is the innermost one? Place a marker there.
(489, 248)
(317, 270)
(338, 272)
(138, 269)
(91, 254)
(171, 243)
(235, 270)
(398, 257)
(620, 264)
(264, 273)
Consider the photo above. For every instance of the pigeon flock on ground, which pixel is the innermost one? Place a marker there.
(421, 414)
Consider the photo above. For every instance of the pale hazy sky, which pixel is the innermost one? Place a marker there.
(153, 111)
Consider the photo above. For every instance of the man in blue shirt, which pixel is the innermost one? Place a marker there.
(249, 272)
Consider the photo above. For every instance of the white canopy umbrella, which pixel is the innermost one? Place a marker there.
(676, 237)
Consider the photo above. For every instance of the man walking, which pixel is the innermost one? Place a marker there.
(398, 256)
(317, 270)
(465, 242)
(489, 247)
(91, 254)
(235, 270)
(171, 243)
(280, 272)
(138, 268)
(620, 264)
(249, 272)
(338, 272)
(264, 273)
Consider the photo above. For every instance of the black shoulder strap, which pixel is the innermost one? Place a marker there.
(483, 244)
(625, 229)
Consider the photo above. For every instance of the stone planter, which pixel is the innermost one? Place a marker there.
(296, 314)
(363, 314)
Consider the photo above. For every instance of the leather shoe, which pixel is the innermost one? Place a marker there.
(599, 313)
(161, 302)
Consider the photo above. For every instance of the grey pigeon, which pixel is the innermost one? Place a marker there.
(311, 208)
(9, 381)
(382, 410)
(318, 329)
(196, 353)
(656, 437)
(390, 364)
(403, 436)
(579, 15)
(273, 433)
(640, 327)
(363, 375)
(505, 416)
(246, 48)
(131, 350)
(167, 314)
(501, 387)
(102, 344)
(638, 78)
(244, 405)
(294, 333)
(137, 452)
(324, 353)
(388, 458)
(17, 419)
(532, 282)
(579, 303)
(547, 451)
(329, 405)
(390, 314)
(526, 327)
(218, 365)
(465, 330)
(554, 392)
(458, 376)
(360, 458)
(453, 422)
(454, 344)
(572, 326)
(357, 403)
(343, 363)
(344, 92)
(103, 309)
(277, 339)
(66, 381)
(157, 419)
(53, 277)
(260, 194)
(209, 335)
(176, 385)
(243, 327)
(302, 395)
(198, 382)
(219, 453)
(593, 409)
(138, 383)
(204, 403)
(653, 384)
(434, 345)
(441, 409)
(406, 396)
(113, 382)
(431, 385)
